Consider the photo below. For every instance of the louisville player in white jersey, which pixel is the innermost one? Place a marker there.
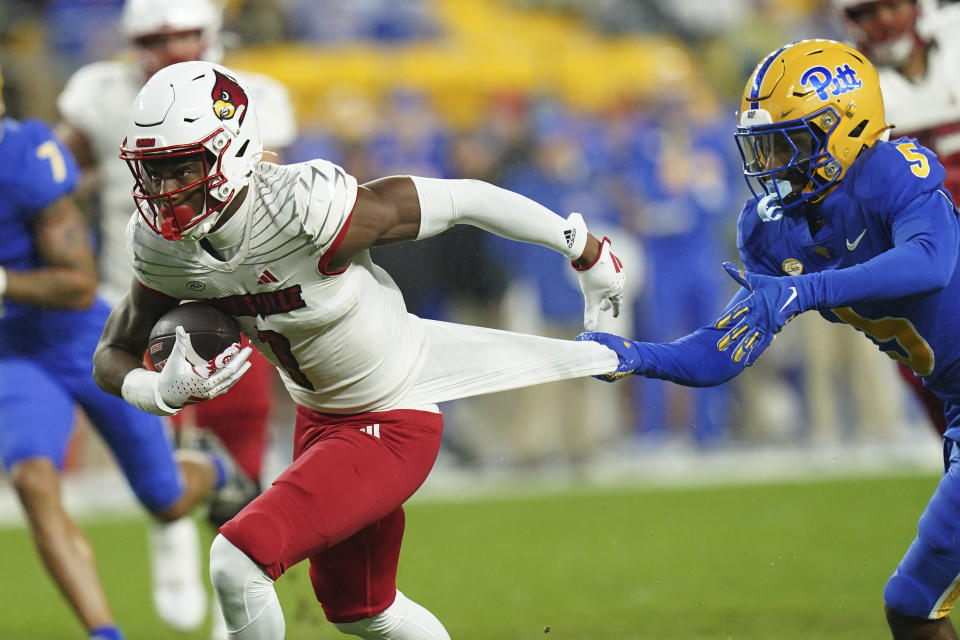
(283, 249)
(95, 108)
(915, 48)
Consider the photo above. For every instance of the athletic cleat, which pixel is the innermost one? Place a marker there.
(179, 591)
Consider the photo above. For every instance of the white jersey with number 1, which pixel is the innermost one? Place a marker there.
(343, 342)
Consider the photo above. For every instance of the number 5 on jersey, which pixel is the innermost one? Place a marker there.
(918, 162)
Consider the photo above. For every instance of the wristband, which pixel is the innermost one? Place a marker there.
(3, 281)
(140, 389)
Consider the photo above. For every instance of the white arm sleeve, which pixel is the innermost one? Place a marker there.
(444, 203)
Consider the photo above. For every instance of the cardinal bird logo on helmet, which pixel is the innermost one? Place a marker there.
(228, 98)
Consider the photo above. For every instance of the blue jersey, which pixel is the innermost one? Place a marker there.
(890, 215)
(46, 355)
(35, 171)
(885, 261)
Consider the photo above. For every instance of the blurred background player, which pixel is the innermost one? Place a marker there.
(94, 108)
(50, 321)
(915, 48)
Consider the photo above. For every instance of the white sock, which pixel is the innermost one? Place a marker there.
(179, 595)
(245, 593)
(403, 620)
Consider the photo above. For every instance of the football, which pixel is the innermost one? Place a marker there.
(210, 330)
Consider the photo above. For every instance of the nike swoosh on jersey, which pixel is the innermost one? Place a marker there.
(793, 294)
(853, 245)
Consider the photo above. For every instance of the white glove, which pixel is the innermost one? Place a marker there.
(183, 382)
(602, 285)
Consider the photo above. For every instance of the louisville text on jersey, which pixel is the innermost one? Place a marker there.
(261, 304)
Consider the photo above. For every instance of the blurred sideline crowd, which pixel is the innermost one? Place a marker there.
(635, 131)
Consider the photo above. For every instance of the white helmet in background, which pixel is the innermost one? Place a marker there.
(144, 18)
(901, 32)
(192, 110)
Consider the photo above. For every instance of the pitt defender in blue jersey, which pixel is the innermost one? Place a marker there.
(50, 324)
(859, 228)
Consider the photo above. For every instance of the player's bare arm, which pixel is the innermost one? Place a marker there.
(81, 148)
(69, 278)
(125, 335)
(388, 211)
(78, 144)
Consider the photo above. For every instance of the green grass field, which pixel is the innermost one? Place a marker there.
(785, 561)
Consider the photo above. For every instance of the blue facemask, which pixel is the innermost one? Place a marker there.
(770, 207)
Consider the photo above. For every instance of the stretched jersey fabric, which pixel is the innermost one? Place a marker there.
(96, 101)
(343, 342)
(885, 262)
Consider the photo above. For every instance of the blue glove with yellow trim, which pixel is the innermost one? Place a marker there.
(758, 318)
(626, 351)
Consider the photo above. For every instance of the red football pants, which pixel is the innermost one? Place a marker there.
(240, 417)
(339, 505)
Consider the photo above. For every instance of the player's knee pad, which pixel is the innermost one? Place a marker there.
(245, 592)
(906, 596)
(402, 620)
(922, 584)
(919, 586)
(230, 568)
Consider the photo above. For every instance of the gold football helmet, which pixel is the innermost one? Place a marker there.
(807, 112)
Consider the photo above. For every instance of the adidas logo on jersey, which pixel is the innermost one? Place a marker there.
(266, 277)
(570, 235)
(372, 430)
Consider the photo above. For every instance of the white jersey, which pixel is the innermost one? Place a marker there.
(343, 343)
(97, 101)
(929, 109)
